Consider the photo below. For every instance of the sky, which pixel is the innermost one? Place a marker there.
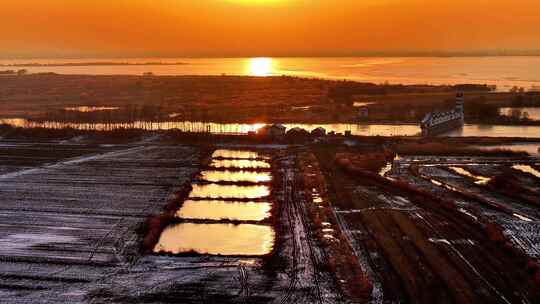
(220, 28)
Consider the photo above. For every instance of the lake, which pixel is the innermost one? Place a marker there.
(505, 72)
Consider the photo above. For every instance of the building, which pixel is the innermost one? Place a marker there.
(363, 112)
(277, 130)
(298, 132)
(440, 122)
(274, 131)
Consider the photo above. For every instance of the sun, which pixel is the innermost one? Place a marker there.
(261, 66)
(257, 2)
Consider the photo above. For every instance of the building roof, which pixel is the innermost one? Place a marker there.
(278, 126)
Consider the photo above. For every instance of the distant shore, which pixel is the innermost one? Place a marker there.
(82, 64)
(246, 99)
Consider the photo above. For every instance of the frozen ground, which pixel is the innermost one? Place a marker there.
(69, 220)
(69, 213)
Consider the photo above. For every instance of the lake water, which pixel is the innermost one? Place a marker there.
(504, 72)
(239, 128)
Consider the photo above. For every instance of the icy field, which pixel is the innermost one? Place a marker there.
(68, 214)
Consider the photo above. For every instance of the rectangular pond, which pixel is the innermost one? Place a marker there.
(239, 164)
(237, 154)
(224, 210)
(216, 191)
(222, 239)
(236, 176)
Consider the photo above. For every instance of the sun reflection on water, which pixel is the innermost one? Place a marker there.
(225, 239)
(261, 67)
(216, 191)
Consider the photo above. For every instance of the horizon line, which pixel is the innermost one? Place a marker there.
(440, 54)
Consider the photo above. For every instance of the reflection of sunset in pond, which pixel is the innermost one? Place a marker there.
(224, 153)
(527, 169)
(89, 109)
(225, 239)
(229, 191)
(236, 176)
(479, 180)
(261, 66)
(217, 210)
(239, 164)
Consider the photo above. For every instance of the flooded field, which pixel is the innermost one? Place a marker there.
(222, 239)
(228, 210)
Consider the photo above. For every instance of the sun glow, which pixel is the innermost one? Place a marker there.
(257, 2)
(261, 67)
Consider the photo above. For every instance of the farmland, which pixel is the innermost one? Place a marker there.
(74, 223)
(428, 234)
(161, 218)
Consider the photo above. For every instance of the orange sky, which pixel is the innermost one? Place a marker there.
(44, 28)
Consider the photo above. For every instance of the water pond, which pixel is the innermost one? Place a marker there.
(235, 176)
(216, 191)
(222, 239)
(229, 210)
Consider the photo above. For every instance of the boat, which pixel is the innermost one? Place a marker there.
(436, 123)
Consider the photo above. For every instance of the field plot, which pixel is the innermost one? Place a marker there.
(69, 219)
(308, 279)
(229, 249)
(17, 155)
(428, 234)
(516, 212)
